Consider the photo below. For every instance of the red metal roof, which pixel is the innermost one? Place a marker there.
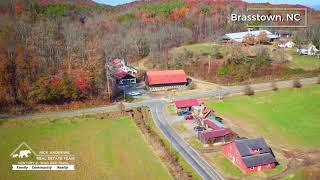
(120, 74)
(187, 103)
(166, 77)
(216, 133)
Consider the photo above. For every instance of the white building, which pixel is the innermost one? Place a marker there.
(239, 36)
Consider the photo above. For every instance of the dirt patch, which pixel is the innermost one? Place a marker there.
(299, 159)
(170, 159)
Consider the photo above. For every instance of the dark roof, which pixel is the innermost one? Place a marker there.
(259, 159)
(187, 103)
(254, 152)
(216, 133)
(245, 146)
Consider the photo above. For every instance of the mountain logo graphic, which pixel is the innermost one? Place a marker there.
(22, 151)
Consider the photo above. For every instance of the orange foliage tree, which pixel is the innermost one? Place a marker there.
(249, 39)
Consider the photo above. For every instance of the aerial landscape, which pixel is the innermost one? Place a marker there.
(160, 89)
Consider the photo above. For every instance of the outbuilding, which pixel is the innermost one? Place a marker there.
(250, 155)
(217, 136)
(239, 36)
(186, 105)
(164, 80)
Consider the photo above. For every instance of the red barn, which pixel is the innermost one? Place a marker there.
(164, 80)
(250, 155)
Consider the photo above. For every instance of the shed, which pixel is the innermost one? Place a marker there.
(219, 136)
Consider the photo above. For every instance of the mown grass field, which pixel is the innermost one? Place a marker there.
(289, 118)
(304, 61)
(104, 149)
(201, 48)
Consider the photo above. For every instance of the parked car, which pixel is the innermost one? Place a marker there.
(134, 93)
(184, 113)
(199, 128)
(218, 119)
(189, 117)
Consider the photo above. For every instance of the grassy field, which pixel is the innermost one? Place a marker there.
(104, 149)
(201, 48)
(303, 62)
(288, 118)
(180, 127)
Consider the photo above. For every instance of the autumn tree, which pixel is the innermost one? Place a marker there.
(75, 38)
(249, 39)
(263, 38)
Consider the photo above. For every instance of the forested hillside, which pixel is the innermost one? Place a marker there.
(55, 51)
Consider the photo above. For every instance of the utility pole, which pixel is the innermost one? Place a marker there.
(107, 75)
(209, 67)
(124, 93)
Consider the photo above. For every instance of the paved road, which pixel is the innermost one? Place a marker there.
(160, 117)
(185, 150)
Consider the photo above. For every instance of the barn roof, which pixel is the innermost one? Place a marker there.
(245, 146)
(120, 74)
(216, 133)
(259, 160)
(166, 77)
(213, 124)
(187, 103)
(240, 35)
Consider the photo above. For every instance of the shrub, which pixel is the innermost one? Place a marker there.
(129, 98)
(296, 83)
(127, 18)
(318, 80)
(274, 86)
(248, 90)
(224, 70)
(122, 107)
(192, 86)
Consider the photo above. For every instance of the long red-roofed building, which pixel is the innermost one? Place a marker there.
(164, 80)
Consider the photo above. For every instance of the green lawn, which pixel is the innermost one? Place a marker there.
(104, 149)
(180, 127)
(201, 48)
(288, 117)
(304, 62)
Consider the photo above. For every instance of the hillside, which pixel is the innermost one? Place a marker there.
(54, 52)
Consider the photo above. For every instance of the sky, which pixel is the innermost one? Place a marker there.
(304, 2)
